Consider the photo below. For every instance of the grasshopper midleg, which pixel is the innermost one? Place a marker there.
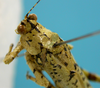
(40, 79)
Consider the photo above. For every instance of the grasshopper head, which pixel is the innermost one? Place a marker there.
(27, 24)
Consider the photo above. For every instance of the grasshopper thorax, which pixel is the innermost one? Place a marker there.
(27, 24)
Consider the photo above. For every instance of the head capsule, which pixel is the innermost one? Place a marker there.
(27, 24)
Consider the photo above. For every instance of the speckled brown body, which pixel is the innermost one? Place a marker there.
(41, 55)
(57, 62)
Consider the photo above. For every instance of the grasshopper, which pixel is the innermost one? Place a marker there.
(45, 50)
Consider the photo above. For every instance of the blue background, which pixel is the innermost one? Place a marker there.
(70, 19)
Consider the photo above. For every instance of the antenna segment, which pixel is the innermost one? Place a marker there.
(32, 8)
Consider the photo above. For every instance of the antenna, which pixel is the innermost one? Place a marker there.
(78, 38)
(32, 8)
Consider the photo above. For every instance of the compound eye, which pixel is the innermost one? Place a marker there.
(21, 29)
(32, 17)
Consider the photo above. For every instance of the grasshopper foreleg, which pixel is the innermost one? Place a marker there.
(12, 54)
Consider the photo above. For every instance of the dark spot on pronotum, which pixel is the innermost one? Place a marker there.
(34, 70)
(71, 75)
(51, 73)
(30, 32)
(65, 64)
(59, 66)
(37, 29)
(75, 82)
(71, 72)
(40, 44)
(88, 84)
(42, 76)
(55, 73)
(54, 69)
(30, 40)
(60, 52)
(32, 56)
(59, 80)
(46, 35)
(66, 54)
(54, 66)
(65, 49)
(53, 76)
(55, 81)
(48, 52)
(83, 78)
(75, 66)
(51, 63)
(38, 56)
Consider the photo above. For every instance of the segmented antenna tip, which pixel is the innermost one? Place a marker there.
(32, 8)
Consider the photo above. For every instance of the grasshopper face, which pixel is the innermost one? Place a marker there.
(27, 24)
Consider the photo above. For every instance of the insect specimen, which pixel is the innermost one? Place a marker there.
(47, 51)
